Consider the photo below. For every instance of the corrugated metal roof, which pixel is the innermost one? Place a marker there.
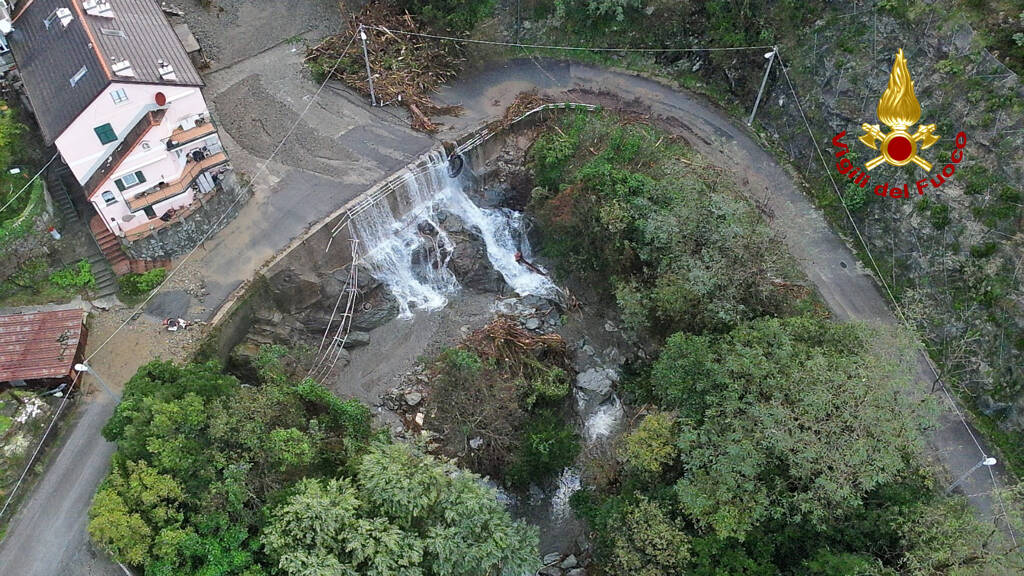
(48, 57)
(38, 344)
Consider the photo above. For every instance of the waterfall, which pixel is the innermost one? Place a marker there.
(393, 247)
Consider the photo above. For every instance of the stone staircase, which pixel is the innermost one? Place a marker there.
(106, 281)
(110, 246)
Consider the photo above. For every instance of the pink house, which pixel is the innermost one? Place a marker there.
(113, 88)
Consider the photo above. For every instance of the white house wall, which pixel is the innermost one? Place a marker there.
(83, 151)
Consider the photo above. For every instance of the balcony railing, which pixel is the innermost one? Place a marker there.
(181, 137)
(171, 189)
(127, 144)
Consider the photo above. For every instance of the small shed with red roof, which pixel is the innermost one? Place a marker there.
(41, 344)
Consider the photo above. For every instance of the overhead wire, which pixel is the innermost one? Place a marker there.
(896, 304)
(29, 183)
(568, 48)
(139, 308)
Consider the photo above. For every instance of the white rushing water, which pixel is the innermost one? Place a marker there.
(390, 245)
(567, 485)
(603, 421)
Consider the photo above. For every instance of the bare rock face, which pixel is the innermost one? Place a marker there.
(292, 291)
(593, 387)
(469, 262)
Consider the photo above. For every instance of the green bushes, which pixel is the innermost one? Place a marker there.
(139, 284)
(75, 276)
(212, 477)
(450, 15)
(548, 445)
(939, 216)
(679, 251)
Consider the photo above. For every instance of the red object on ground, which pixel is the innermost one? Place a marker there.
(899, 148)
(38, 345)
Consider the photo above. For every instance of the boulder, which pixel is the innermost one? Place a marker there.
(472, 268)
(413, 398)
(576, 572)
(550, 571)
(292, 291)
(593, 387)
(551, 558)
(357, 338)
(377, 315)
(568, 562)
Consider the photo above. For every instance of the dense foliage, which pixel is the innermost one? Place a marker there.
(212, 477)
(771, 441)
(791, 449)
(454, 16)
(624, 203)
(139, 284)
(402, 514)
(75, 276)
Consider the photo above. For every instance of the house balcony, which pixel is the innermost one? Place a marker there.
(181, 137)
(162, 192)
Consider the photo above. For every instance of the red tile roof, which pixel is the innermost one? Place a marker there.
(39, 344)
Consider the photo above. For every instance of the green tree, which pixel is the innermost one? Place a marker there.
(199, 456)
(650, 448)
(405, 514)
(648, 542)
(788, 419)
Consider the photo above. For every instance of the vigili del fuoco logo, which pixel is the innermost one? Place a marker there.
(899, 110)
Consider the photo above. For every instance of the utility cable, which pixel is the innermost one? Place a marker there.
(29, 183)
(138, 309)
(892, 297)
(573, 48)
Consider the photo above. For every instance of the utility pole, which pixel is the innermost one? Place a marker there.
(366, 57)
(987, 461)
(771, 58)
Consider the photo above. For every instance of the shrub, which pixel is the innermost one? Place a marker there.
(855, 197)
(939, 216)
(450, 15)
(650, 449)
(139, 284)
(983, 250)
(549, 385)
(548, 445)
(76, 276)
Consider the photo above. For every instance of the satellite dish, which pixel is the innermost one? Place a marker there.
(161, 99)
(5, 26)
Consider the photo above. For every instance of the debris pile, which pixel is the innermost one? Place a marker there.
(406, 69)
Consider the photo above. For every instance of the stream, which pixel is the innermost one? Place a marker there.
(411, 255)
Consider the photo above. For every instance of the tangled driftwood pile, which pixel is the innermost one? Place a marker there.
(406, 69)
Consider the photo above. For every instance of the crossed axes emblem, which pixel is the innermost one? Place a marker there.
(899, 147)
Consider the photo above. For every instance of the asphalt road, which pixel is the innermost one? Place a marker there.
(846, 287)
(47, 537)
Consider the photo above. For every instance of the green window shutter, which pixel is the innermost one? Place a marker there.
(140, 176)
(119, 184)
(105, 133)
